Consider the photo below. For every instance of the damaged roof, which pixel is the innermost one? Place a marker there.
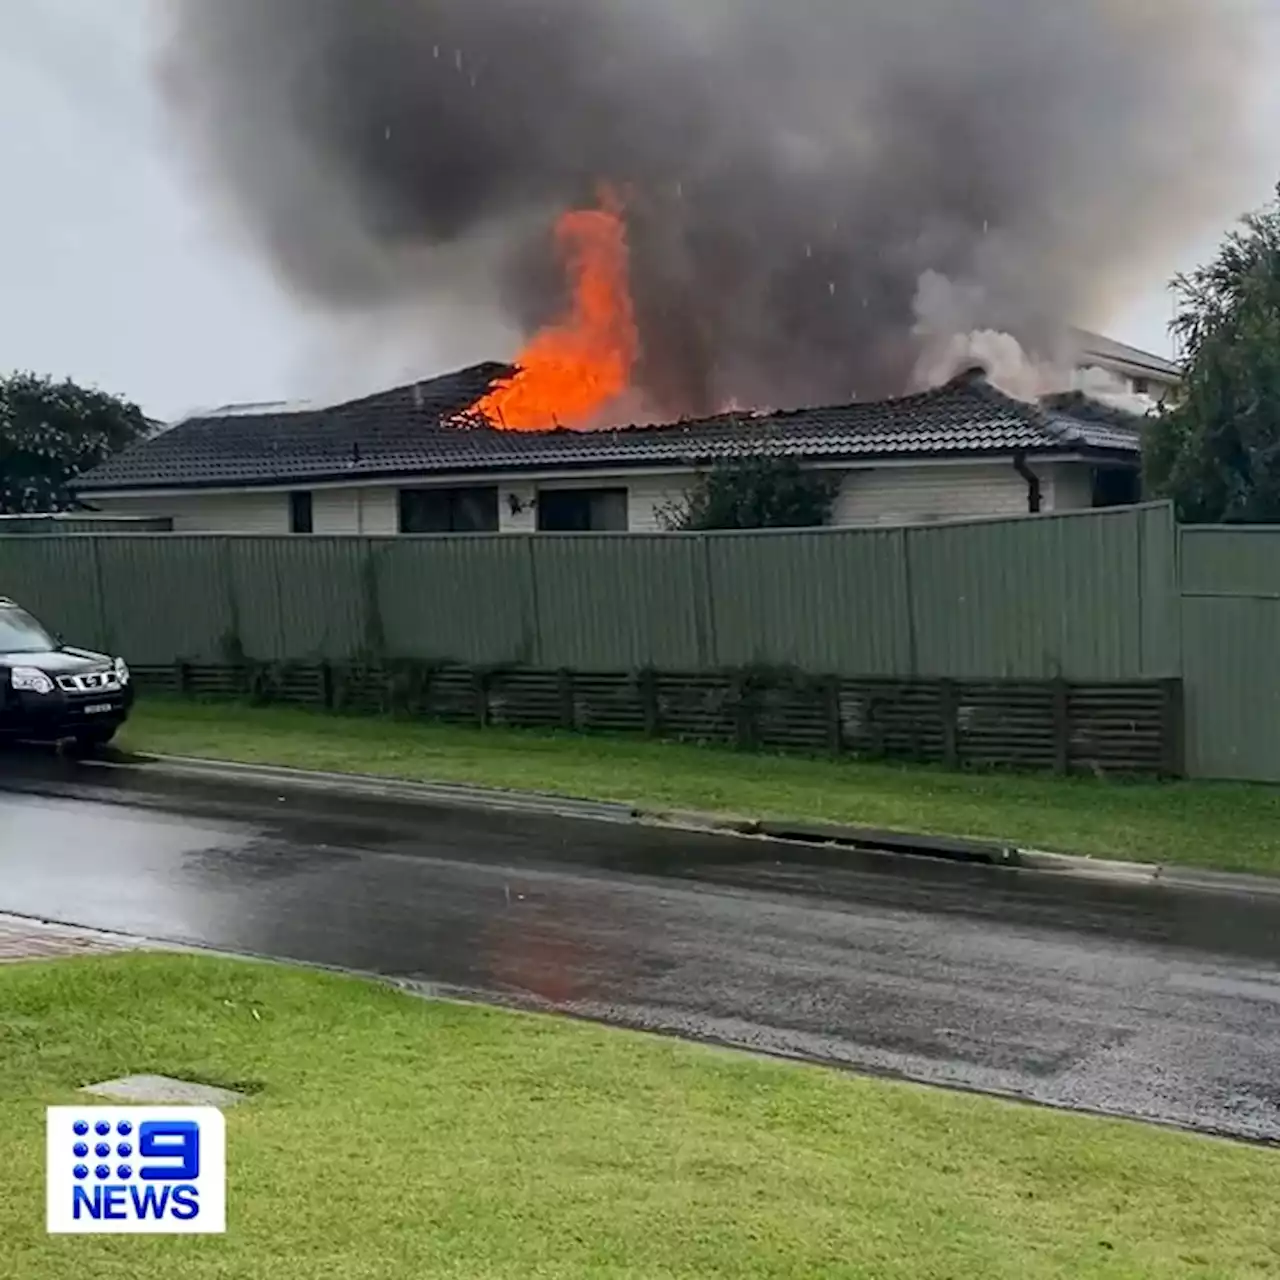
(421, 431)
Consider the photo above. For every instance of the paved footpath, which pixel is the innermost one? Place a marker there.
(22, 939)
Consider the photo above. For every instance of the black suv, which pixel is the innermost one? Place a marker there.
(49, 693)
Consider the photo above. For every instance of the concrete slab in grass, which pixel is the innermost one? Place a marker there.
(149, 1090)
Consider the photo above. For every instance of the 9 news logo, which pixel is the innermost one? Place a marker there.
(136, 1170)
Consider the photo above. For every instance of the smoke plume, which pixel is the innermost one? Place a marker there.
(824, 197)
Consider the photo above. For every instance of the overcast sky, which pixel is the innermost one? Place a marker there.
(117, 275)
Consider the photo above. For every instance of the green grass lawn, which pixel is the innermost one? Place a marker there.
(1227, 826)
(391, 1137)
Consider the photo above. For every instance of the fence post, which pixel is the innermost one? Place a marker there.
(908, 591)
(375, 633)
(1173, 728)
(949, 712)
(232, 641)
(877, 738)
(106, 633)
(650, 706)
(480, 688)
(531, 606)
(326, 685)
(746, 728)
(704, 606)
(832, 715)
(1061, 726)
(568, 699)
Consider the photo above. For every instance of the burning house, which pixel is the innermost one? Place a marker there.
(535, 446)
(421, 459)
(721, 230)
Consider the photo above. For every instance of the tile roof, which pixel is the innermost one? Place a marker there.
(408, 432)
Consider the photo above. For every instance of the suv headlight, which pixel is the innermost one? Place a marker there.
(122, 671)
(30, 680)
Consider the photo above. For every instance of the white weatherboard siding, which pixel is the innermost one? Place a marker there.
(905, 495)
(901, 495)
(872, 495)
(373, 511)
(336, 510)
(1072, 486)
(648, 495)
(517, 507)
(380, 511)
(247, 512)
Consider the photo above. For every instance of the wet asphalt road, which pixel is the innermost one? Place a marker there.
(1124, 999)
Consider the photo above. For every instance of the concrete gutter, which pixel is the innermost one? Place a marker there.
(806, 842)
(832, 836)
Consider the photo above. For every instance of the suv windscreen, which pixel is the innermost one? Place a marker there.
(21, 633)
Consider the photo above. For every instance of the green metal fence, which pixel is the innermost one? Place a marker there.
(84, 522)
(1096, 597)
(1230, 581)
(1087, 597)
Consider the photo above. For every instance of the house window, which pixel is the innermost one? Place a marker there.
(582, 511)
(1141, 386)
(301, 515)
(449, 510)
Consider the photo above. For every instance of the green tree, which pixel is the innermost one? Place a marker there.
(1217, 453)
(51, 432)
(756, 493)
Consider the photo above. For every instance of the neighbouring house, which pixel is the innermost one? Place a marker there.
(1138, 373)
(397, 462)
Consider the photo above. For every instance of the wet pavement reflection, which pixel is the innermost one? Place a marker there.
(1125, 999)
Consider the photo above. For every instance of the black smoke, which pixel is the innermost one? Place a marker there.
(792, 170)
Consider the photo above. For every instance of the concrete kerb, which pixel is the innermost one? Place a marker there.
(832, 838)
(1159, 874)
(797, 834)
(822, 835)
(378, 788)
(808, 841)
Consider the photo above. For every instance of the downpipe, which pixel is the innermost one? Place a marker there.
(1035, 496)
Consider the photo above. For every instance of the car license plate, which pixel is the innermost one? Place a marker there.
(99, 709)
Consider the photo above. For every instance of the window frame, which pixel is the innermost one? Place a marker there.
(453, 500)
(588, 495)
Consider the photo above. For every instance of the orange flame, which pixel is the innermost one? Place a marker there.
(575, 368)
